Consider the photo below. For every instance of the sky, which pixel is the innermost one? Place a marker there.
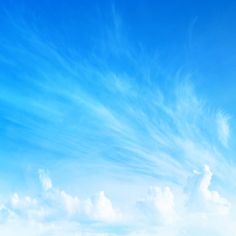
(117, 118)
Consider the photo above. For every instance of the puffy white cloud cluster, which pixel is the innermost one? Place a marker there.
(212, 197)
(98, 208)
(55, 212)
(197, 210)
(165, 211)
(162, 201)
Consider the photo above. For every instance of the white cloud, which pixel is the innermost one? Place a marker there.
(221, 204)
(71, 203)
(163, 201)
(18, 202)
(45, 180)
(223, 128)
(159, 205)
(183, 212)
(100, 208)
(169, 213)
(45, 214)
(15, 200)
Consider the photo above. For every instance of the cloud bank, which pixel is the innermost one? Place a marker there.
(163, 211)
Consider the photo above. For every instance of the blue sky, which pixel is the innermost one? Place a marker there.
(117, 118)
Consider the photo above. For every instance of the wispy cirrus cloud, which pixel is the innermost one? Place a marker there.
(96, 117)
(223, 128)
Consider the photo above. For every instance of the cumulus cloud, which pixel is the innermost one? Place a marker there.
(179, 211)
(164, 211)
(98, 208)
(71, 203)
(101, 208)
(25, 202)
(45, 180)
(221, 203)
(55, 212)
(163, 201)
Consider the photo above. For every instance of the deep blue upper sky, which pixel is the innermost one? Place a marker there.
(197, 36)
